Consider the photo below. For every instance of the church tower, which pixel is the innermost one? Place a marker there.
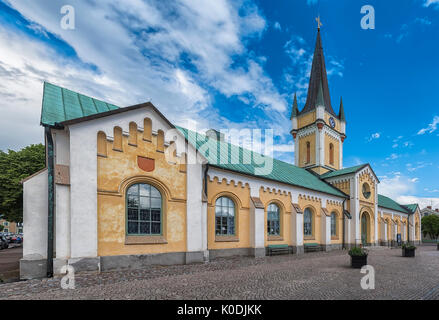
(318, 131)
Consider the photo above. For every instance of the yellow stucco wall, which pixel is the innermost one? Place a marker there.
(116, 172)
(241, 197)
(316, 207)
(338, 209)
(306, 119)
(9, 226)
(302, 150)
(336, 164)
(337, 122)
(366, 178)
(344, 186)
(283, 201)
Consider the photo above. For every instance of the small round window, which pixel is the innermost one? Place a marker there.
(366, 190)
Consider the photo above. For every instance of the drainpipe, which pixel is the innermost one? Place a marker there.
(344, 235)
(51, 201)
(205, 179)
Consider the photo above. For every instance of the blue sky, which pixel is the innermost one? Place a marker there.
(237, 65)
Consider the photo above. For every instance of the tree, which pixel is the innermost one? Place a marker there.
(430, 226)
(14, 167)
(2, 228)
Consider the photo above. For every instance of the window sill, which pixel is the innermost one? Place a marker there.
(226, 239)
(334, 238)
(309, 238)
(275, 238)
(145, 240)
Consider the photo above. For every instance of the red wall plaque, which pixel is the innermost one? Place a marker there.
(146, 164)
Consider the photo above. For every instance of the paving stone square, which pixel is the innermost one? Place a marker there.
(319, 275)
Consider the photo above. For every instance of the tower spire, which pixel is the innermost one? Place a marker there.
(318, 80)
(295, 110)
(341, 114)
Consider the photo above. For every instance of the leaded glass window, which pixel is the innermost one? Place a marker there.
(144, 210)
(273, 220)
(307, 222)
(224, 217)
(333, 224)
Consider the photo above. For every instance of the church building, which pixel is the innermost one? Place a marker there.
(126, 188)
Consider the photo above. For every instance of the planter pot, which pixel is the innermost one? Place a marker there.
(408, 252)
(358, 261)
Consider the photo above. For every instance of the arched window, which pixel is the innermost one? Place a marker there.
(308, 152)
(331, 153)
(224, 217)
(333, 224)
(144, 210)
(273, 220)
(307, 222)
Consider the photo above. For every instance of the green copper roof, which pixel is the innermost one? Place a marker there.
(342, 171)
(60, 104)
(388, 203)
(233, 158)
(411, 207)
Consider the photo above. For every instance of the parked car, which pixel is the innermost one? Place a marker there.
(8, 237)
(3, 243)
(16, 239)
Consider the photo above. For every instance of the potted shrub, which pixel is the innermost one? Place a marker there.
(408, 250)
(358, 257)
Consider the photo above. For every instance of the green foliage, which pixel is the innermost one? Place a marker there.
(430, 226)
(408, 246)
(2, 227)
(14, 167)
(356, 251)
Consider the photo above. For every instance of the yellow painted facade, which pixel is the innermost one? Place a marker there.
(240, 195)
(11, 227)
(332, 146)
(303, 150)
(315, 205)
(306, 119)
(337, 121)
(118, 169)
(336, 208)
(283, 201)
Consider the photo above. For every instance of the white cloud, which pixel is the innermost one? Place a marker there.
(419, 165)
(277, 26)
(374, 136)
(423, 21)
(393, 156)
(432, 127)
(312, 2)
(296, 76)
(395, 185)
(423, 202)
(401, 189)
(428, 3)
(137, 49)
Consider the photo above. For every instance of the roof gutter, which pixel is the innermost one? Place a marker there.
(50, 200)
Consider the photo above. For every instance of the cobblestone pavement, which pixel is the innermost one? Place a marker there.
(317, 275)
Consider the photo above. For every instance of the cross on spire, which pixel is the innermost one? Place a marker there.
(319, 22)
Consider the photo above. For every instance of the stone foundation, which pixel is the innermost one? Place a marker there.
(33, 269)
